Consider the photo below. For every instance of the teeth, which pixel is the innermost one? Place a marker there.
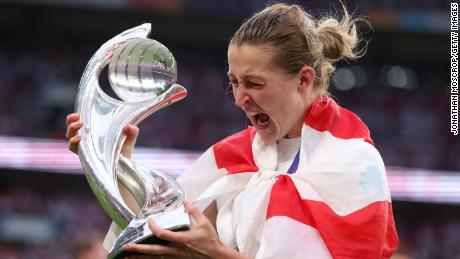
(262, 123)
(252, 113)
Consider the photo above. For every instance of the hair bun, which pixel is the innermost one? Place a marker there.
(338, 38)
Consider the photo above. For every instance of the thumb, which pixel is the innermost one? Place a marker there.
(131, 132)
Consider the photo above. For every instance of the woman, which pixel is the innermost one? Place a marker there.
(305, 181)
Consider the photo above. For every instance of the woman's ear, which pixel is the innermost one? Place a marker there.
(307, 78)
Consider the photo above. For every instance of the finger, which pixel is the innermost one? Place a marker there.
(131, 133)
(151, 249)
(178, 237)
(72, 129)
(73, 144)
(196, 213)
(72, 118)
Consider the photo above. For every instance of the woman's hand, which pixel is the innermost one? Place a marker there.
(201, 241)
(131, 132)
(74, 124)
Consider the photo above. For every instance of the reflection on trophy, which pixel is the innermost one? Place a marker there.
(142, 73)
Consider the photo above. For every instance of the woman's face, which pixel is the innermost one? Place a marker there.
(274, 101)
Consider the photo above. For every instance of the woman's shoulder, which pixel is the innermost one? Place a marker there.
(328, 115)
(243, 137)
(235, 152)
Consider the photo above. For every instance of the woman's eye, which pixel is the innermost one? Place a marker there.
(233, 83)
(253, 85)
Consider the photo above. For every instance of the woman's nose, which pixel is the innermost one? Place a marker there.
(241, 97)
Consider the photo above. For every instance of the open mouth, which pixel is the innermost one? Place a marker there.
(260, 120)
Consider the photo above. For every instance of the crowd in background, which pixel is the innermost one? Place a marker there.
(38, 225)
(409, 127)
(76, 221)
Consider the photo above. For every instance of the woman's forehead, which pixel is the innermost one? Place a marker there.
(247, 60)
(251, 50)
(249, 76)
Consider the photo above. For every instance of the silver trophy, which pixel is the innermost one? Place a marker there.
(142, 73)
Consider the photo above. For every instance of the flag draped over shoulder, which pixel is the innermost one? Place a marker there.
(336, 205)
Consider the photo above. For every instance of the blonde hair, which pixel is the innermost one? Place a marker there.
(299, 39)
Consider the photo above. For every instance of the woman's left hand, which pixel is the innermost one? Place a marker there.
(201, 241)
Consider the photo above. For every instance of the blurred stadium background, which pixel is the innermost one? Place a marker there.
(400, 89)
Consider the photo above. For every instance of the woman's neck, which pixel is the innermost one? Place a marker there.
(294, 133)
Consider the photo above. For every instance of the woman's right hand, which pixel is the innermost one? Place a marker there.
(74, 124)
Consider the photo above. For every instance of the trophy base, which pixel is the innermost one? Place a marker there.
(139, 232)
(121, 254)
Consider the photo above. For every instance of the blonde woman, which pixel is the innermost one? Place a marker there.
(305, 181)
